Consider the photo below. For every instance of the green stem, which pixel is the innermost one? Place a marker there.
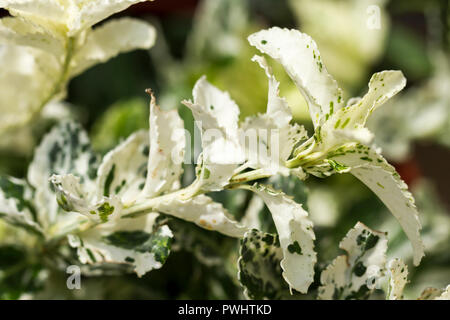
(193, 190)
(249, 176)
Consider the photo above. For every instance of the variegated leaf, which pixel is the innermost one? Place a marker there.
(376, 173)
(354, 275)
(217, 116)
(270, 137)
(382, 86)
(296, 235)
(347, 124)
(301, 59)
(167, 147)
(71, 197)
(259, 270)
(143, 243)
(123, 170)
(45, 13)
(28, 76)
(258, 216)
(65, 149)
(16, 204)
(398, 277)
(87, 13)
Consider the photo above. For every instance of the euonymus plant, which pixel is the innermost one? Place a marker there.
(48, 42)
(117, 209)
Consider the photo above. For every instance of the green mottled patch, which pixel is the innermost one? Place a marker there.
(143, 242)
(318, 135)
(359, 269)
(109, 180)
(337, 166)
(345, 123)
(367, 240)
(348, 275)
(336, 125)
(295, 248)
(104, 211)
(259, 266)
(119, 187)
(16, 191)
(63, 203)
(206, 173)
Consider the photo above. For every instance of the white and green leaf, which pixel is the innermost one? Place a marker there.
(71, 197)
(354, 275)
(142, 243)
(271, 137)
(296, 235)
(65, 149)
(217, 116)
(123, 170)
(382, 87)
(375, 172)
(301, 59)
(259, 270)
(16, 204)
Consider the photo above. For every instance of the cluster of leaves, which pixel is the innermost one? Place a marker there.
(124, 208)
(47, 43)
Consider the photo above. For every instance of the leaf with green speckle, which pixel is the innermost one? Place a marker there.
(141, 242)
(71, 197)
(259, 270)
(16, 204)
(65, 149)
(366, 164)
(271, 136)
(300, 57)
(355, 274)
(124, 169)
(296, 235)
(382, 87)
